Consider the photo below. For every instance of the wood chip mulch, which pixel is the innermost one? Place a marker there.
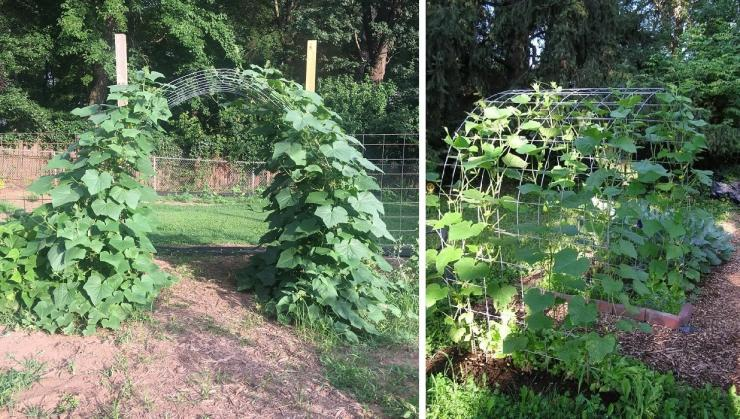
(708, 351)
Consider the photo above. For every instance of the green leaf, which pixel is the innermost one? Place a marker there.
(447, 256)
(107, 208)
(318, 197)
(581, 313)
(512, 160)
(447, 219)
(114, 260)
(56, 256)
(624, 143)
(502, 295)
(465, 230)
(285, 198)
(97, 289)
(514, 344)
(530, 126)
(537, 300)
(567, 262)
(287, 259)
(435, 292)
(598, 347)
(41, 185)
(629, 272)
(97, 182)
(59, 162)
(623, 247)
(63, 194)
(538, 321)
(467, 269)
(366, 202)
(331, 216)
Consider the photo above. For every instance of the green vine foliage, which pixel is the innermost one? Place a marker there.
(84, 260)
(322, 257)
(556, 199)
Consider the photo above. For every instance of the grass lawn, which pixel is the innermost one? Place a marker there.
(203, 223)
(239, 222)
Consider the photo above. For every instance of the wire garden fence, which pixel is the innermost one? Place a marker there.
(23, 158)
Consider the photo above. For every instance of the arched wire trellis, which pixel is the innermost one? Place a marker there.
(242, 83)
(542, 183)
(221, 80)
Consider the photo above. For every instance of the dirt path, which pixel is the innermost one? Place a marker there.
(203, 352)
(710, 352)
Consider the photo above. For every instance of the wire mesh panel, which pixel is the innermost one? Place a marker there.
(397, 155)
(563, 190)
(180, 175)
(23, 158)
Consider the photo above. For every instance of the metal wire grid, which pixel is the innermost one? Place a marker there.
(23, 158)
(568, 108)
(221, 80)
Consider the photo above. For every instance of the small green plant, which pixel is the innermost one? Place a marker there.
(67, 404)
(14, 380)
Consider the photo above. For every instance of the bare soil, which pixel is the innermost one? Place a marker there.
(709, 350)
(204, 351)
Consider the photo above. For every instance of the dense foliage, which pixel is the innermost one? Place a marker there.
(573, 204)
(649, 395)
(58, 55)
(84, 259)
(324, 223)
(477, 48)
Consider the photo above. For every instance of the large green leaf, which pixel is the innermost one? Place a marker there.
(366, 202)
(97, 288)
(465, 230)
(97, 182)
(63, 194)
(538, 300)
(332, 215)
(567, 262)
(434, 293)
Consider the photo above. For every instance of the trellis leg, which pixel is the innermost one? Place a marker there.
(121, 63)
(311, 66)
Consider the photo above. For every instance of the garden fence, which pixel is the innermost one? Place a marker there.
(24, 156)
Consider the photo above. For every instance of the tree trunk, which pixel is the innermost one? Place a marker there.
(381, 62)
(99, 85)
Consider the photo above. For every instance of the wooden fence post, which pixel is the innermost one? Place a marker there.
(311, 66)
(121, 63)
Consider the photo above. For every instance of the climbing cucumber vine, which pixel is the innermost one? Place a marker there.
(322, 257)
(84, 259)
(549, 197)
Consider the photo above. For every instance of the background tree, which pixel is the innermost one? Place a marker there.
(477, 48)
(59, 55)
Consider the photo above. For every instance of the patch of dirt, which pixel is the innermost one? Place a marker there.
(203, 351)
(709, 350)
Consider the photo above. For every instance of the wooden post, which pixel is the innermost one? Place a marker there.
(311, 66)
(121, 63)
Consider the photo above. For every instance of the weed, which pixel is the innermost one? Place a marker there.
(13, 381)
(67, 404)
(35, 411)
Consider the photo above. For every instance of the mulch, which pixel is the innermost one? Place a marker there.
(708, 350)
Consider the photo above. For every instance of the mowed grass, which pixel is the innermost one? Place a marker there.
(242, 223)
(207, 224)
